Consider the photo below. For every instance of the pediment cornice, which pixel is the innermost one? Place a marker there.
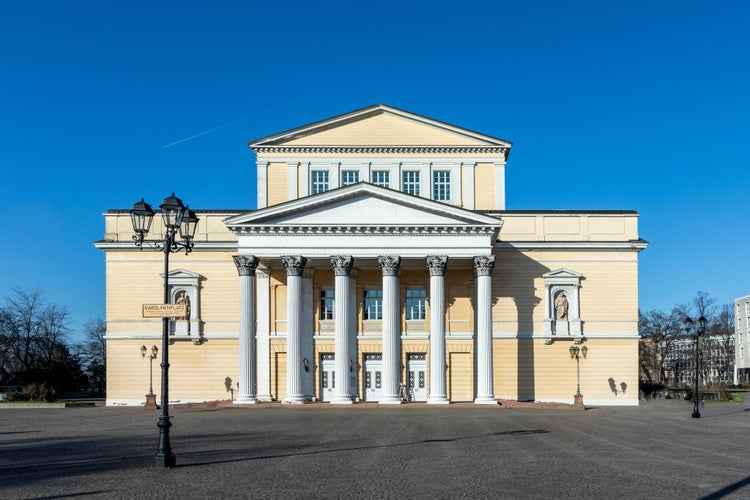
(390, 150)
(384, 230)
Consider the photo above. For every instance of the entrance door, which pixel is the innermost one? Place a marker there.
(416, 383)
(327, 376)
(373, 367)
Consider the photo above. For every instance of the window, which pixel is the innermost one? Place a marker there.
(349, 177)
(373, 304)
(326, 303)
(441, 185)
(416, 300)
(319, 181)
(381, 178)
(410, 182)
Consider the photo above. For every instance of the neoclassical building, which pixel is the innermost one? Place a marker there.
(381, 265)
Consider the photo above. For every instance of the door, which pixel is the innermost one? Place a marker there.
(373, 367)
(416, 377)
(327, 376)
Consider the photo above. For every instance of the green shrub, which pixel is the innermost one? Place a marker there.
(38, 393)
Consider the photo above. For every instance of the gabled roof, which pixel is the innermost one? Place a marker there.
(408, 126)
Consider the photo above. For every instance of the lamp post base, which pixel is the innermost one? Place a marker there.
(164, 461)
(578, 401)
(151, 402)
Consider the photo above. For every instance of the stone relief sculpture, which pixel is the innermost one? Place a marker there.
(184, 298)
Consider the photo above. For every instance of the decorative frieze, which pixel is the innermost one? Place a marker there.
(246, 264)
(349, 150)
(279, 230)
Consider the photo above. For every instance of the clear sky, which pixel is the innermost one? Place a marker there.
(638, 105)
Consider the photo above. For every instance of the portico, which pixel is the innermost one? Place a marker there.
(374, 232)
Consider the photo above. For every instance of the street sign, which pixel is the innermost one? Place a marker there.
(164, 310)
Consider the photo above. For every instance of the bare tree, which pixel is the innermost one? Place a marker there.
(93, 351)
(658, 332)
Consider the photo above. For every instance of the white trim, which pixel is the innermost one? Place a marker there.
(262, 168)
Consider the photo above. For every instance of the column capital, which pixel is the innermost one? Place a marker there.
(437, 264)
(294, 264)
(390, 264)
(484, 265)
(246, 264)
(342, 264)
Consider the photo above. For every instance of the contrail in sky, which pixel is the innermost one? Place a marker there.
(209, 131)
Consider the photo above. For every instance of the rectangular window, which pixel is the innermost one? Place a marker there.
(410, 182)
(349, 177)
(326, 303)
(381, 178)
(441, 185)
(373, 304)
(416, 301)
(319, 181)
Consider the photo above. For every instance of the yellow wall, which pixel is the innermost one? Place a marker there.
(485, 190)
(278, 183)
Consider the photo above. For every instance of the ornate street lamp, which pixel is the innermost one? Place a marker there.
(150, 397)
(177, 219)
(576, 353)
(700, 330)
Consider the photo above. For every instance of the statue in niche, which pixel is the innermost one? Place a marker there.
(561, 307)
(184, 298)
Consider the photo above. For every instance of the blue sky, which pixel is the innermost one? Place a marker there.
(611, 105)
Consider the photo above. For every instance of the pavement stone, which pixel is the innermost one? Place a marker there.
(368, 451)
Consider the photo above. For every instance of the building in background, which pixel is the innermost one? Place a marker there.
(381, 265)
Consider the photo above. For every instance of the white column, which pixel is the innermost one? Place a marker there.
(438, 392)
(483, 267)
(294, 266)
(263, 334)
(390, 265)
(306, 333)
(342, 265)
(246, 265)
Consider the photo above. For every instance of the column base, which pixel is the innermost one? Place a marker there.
(390, 400)
(264, 398)
(486, 400)
(245, 401)
(341, 400)
(294, 400)
(437, 400)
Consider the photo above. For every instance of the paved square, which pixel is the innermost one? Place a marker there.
(365, 451)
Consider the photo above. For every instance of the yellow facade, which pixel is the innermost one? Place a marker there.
(596, 253)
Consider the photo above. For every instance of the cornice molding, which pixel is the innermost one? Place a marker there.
(279, 230)
(338, 150)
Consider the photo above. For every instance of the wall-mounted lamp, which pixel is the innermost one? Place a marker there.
(351, 366)
(306, 364)
(549, 341)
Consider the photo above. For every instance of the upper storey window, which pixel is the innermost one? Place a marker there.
(441, 185)
(326, 303)
(410, 182)
(319, 181)
(381, 178)
(349, 177)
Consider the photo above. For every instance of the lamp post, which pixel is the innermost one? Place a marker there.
(150, 397)
(576, 353)
(699, 331)
(177, 219)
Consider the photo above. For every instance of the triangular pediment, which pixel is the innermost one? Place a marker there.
(379, 125)
(363, 205)
(562, 273)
